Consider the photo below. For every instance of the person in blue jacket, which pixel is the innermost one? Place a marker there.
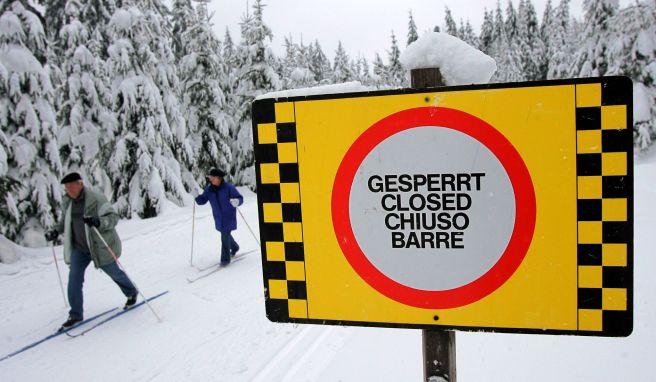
(224, 199)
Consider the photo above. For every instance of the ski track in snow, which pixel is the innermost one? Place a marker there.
(216, 329)
(215, 324)
(287, 361)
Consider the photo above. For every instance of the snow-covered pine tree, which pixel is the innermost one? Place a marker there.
(229, 85)
(466, 34)
(632, 52)
(591, 57)
(256, 76)
(229, 52)
(182, 18)
(288, 62)
(461, 31)
(85, 117)
(54, 16)
(277, 64)
(560, 47)
(231, 62)
(295, 68)
(202, 74)
(365, 77)
(341, 66)
(487, 31)
(142, 163)
(356, 69)
(304, 76)
(229, 55)
(10, 217)
(412, 30)
(504, 52)
(361, 71)
(450, 26)
(395, 75)
(531, 47)
(547, 21)
(178, 167)
(96, 15)
(319, 64)
(379, 70)
(9, 188)
(98, 12)
(29, 152)
(511, 22)
(546, 28)
(498, 32)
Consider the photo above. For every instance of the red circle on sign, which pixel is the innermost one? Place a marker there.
(439, 117)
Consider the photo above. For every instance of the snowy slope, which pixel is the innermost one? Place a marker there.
(216, 330)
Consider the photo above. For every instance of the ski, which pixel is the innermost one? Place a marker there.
(212, 271)
(217, 268)
(218, 264)
(58, 333)
(113, 316)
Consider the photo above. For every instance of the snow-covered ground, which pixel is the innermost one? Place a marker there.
(216, 329)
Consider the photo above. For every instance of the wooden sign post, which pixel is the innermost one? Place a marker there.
(439, 346)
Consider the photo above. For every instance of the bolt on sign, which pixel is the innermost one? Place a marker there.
(503, 207)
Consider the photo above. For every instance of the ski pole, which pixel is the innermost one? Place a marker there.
(249, 227)
(126, 273)
(61, 284)
(193, 221)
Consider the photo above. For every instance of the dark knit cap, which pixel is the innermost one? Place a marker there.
(216, 172)
(72, 177)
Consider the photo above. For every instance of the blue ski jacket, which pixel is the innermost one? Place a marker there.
(225, 215)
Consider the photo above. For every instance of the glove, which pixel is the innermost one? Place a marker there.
(52, 235)
(91, 221)
(234, 202)
(194, 192)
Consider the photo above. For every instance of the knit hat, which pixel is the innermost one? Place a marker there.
(216, 172)
(72, 177)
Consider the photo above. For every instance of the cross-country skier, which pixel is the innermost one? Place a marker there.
(224, 199)
(83, 210)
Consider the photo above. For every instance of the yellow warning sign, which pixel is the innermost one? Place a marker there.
(503, 207)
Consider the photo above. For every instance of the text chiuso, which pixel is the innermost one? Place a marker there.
(426, 210)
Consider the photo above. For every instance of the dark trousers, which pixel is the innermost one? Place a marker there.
(228, 247)
(79, 262)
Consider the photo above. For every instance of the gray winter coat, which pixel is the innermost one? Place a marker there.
(95, 204)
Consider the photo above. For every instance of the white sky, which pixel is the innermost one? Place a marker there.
(363, 26)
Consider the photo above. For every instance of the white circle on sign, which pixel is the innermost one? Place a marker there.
(426, 259)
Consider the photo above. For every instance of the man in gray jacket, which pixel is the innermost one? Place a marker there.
(85, 213)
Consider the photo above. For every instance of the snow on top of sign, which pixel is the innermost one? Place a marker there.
(346, 87)
(459, 62)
